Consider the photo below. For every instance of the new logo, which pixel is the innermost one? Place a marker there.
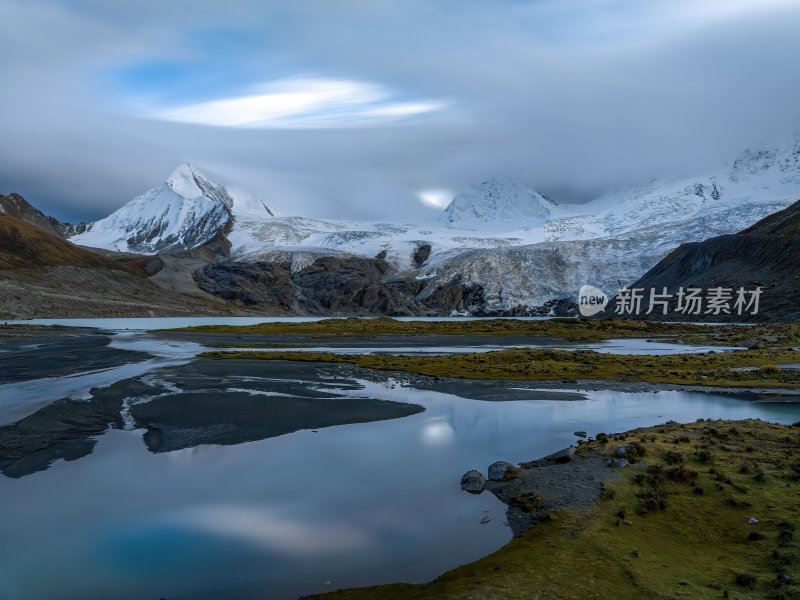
(591, 300)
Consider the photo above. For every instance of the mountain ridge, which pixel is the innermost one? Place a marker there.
(538, 252)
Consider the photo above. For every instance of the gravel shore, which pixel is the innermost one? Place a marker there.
(573, 484)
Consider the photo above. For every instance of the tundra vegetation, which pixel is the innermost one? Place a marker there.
(745, 368)
(575, 330)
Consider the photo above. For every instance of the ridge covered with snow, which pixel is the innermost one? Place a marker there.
(520, 246)
(497, 203)
(184, 212)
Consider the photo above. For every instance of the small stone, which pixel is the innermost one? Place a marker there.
(498, 469)
(473, 482)
(753, 521)
(620, 462)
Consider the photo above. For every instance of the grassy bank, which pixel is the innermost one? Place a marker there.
(675, 525)
(567, 329)
(584, 330)
(713, 369)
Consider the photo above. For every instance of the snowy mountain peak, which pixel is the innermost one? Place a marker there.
(500, 201)
(781, 164)
(184, 212)
(188, 182)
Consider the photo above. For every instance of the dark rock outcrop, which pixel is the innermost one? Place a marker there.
(266, 285)
(765, 255)
(334, 285)
(421, 254)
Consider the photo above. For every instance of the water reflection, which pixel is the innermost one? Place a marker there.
(438, 432)
(351, 505)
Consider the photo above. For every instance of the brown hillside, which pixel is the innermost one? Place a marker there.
(23, 246)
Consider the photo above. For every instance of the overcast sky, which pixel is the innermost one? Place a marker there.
(368, 108)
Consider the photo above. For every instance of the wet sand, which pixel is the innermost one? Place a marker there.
(194, 404)
(34, 353)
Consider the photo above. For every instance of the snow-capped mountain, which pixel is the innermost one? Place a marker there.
(497, 203)
(520, 247)
(185, 211)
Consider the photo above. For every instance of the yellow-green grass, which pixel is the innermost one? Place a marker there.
(711, 369)
(766, 334)
(586, 330)
(567, 329)
(699, 546)
(276, 345)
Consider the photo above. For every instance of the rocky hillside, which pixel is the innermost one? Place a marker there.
(16, 206)
(25, 246)
(42, 275)
(336, 285)
(766, 255)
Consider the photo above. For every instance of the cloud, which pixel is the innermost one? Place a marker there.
(574, 98)
(437, 198)
(303, 102)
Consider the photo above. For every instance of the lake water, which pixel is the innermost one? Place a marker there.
(306, 512)
(21, 399)
(350, 505)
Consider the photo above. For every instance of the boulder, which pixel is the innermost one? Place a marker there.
(622, 450)
(564, 455)
(473, 482)
(498, 469)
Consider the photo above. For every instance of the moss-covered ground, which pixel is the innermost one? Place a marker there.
(676, 524)
(709, 369)
(585, 330)
(566, 329)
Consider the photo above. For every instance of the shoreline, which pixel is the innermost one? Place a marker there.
(574, 484)
(698, 510)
